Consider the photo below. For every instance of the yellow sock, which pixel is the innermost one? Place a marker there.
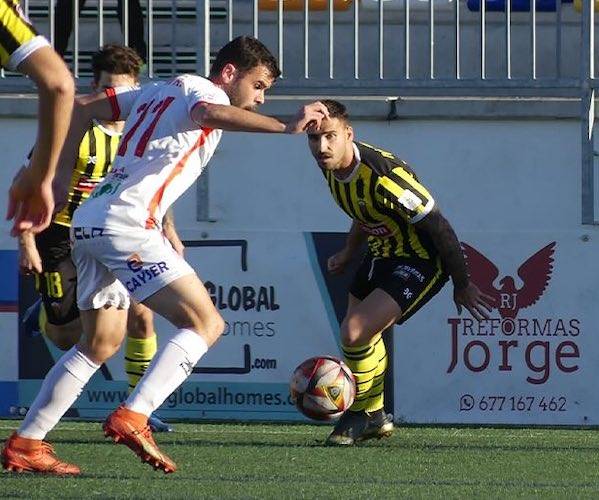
(138, 354)
(42, 319)
(363, 362)
(376, 394)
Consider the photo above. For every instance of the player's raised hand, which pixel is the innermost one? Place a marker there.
(337, 263)
(172, 236)
(30, 260)
(309, 116)
(477, 303)
(30, 203)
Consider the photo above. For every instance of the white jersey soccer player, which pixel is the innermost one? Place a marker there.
(171, 132)
(161, 153)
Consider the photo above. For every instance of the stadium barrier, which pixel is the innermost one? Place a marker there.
(512, 202)
(523, 366)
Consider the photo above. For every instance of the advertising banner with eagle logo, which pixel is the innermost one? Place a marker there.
(532, 362)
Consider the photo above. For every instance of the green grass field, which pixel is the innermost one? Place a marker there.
(290, 461)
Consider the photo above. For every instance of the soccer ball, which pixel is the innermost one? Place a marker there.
(322, 388)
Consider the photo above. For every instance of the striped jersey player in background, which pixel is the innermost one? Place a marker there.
(48, 254)
(412, 250)
(22, 49)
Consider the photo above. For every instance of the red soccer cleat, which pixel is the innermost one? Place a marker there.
(131, 429)
(34, 455)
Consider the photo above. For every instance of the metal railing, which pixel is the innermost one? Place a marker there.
(357, 49)
(372, 46)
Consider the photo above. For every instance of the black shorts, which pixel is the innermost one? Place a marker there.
(411, 282)
(58, 282)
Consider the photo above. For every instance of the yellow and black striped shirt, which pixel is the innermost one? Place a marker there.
(96, 153)
(385, 197)
(18, 38)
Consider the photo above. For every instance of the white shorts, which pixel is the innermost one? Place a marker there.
(111, 265)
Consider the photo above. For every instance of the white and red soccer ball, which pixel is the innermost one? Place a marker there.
(322, 388)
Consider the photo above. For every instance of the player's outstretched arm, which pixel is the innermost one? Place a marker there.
(235, 119)
(30, 197)
(466, 294)
(56, 93)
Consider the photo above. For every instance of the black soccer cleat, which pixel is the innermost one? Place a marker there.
(349, 428)
(158, 425)
(380, 425)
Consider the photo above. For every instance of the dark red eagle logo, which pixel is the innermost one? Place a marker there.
(535, 273)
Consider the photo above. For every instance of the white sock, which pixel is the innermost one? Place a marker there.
(167, 371)
(61, 387)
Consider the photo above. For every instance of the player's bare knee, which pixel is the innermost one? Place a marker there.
(102, 353)
(140, 323)
(210, 325)
(211, 328)
(218, 327)
(354, 331)
(99, 350)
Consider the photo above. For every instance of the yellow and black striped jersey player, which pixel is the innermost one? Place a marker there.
(412, 252)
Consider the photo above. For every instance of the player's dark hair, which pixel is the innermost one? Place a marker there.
(245, 53)
(336, 110)
(116, 59)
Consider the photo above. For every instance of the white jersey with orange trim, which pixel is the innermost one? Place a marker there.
(161, 153)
